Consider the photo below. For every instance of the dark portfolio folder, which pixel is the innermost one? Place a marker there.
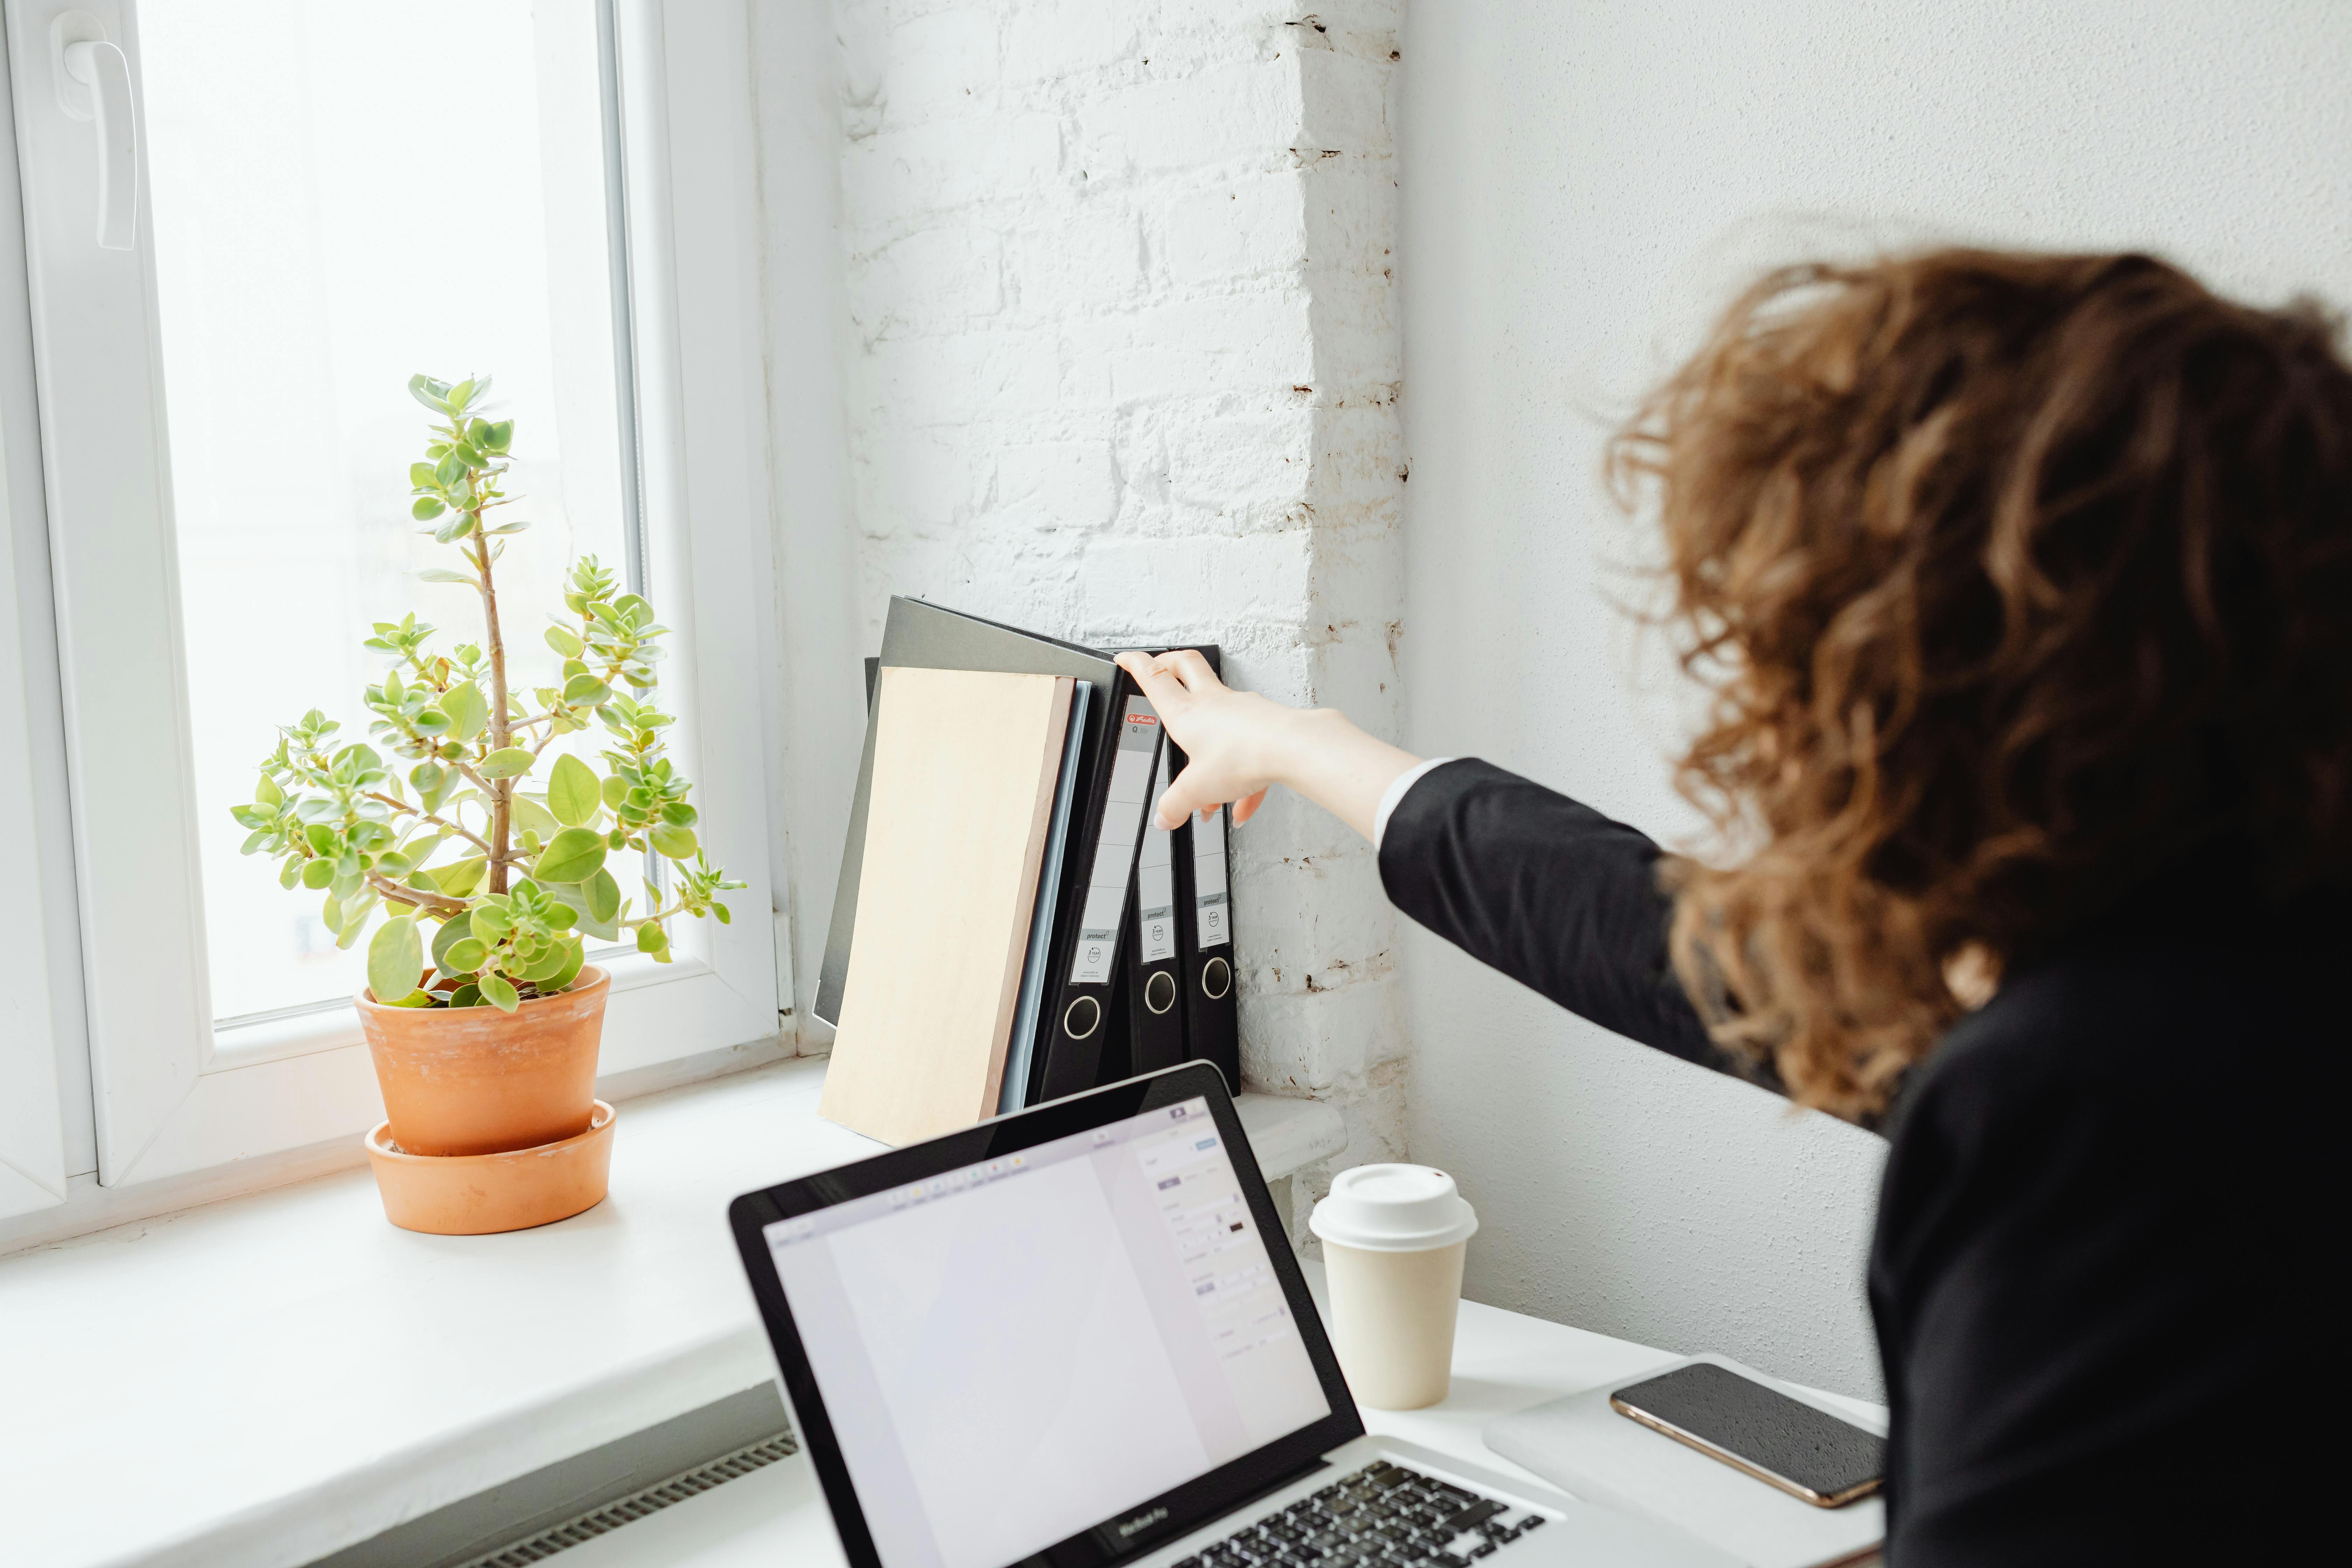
(1155, 1015)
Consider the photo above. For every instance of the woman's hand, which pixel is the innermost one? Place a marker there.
(1236, 744)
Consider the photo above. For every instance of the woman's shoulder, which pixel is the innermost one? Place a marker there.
(2148, 1020)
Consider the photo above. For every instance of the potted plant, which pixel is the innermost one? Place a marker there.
(491, 861)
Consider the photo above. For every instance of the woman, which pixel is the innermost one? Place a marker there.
(2023, 585)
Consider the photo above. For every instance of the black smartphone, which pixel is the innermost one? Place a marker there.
(1805, 1452)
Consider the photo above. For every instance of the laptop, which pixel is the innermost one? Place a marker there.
(1076, 1336)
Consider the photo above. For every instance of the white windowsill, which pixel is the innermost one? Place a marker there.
(270, 1378)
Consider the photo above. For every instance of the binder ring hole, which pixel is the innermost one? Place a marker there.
(1083, 1019)
(1216, 978)
(1160, 991)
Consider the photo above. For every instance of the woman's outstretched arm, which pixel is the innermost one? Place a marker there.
(1548, 891)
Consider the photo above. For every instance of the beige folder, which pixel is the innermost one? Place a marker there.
(965, 766)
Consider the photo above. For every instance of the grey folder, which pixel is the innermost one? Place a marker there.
(926, 637)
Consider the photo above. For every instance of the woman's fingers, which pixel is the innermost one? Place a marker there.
(1210, 721)
(1176, 803)
(1189, 666)
(1162, 687)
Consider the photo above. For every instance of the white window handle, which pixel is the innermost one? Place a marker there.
(93, 81)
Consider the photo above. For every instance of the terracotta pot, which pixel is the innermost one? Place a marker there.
(474, 1080)
(477, 1194)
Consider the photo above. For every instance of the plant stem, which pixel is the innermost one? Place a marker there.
(502, 735)
(456, 828)
(415, 898)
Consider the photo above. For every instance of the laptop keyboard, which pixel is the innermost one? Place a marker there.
(1382, 1514)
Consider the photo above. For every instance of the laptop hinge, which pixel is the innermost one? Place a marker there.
(1242, 1505)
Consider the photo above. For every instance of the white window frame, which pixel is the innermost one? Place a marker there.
(172, 1092)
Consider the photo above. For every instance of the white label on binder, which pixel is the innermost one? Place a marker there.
(1131, 792)
(1155, 882)
(1212, 909)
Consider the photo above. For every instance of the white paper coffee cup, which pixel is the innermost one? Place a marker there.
(1393, 1238)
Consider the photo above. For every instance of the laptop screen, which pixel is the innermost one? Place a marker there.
(1015, 1351)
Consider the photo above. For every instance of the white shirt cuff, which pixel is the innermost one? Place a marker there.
(1396, 792)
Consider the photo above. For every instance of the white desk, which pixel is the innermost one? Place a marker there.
(1502, 1362)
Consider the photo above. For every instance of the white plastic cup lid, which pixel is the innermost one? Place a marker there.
(1393, 1208)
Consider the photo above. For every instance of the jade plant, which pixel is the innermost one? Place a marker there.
(492, 870)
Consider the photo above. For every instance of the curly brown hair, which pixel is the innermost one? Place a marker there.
(2017, 580)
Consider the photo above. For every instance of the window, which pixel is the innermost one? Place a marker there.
(329, 199)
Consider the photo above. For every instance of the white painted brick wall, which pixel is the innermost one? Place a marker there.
(1123, 366)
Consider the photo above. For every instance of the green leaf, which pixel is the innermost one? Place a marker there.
(267, 793)
(532, 816)
(575, 855)
(575, 954)
(417, 998)
(426, 509)
(596, 903)
(449, 469)
(572, 793)
(454, 932)
(677, 813)
(500, 436)
(316, 874)
(354, 923)
(465, 956)
(465, 453)
(500, 992)
(460, 395)
(604, 897)
(652, 938)
(563, 642)
(396, 959)
(465, 995)
(443, 574)
(429, 392)
(490, 923)
(586, 690)
(468, 708)
(548, 964)
(616, 790)
(511, 762)
(667, 838)
(421, 475)
(461, 878)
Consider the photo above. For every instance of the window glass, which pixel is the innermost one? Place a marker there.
(344, 195)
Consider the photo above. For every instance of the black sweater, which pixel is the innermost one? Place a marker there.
(2102, 1229)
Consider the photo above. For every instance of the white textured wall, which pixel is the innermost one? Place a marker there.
(1123, 366)
(1579, 178)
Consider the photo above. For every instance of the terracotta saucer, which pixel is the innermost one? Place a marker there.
(476, 1194)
